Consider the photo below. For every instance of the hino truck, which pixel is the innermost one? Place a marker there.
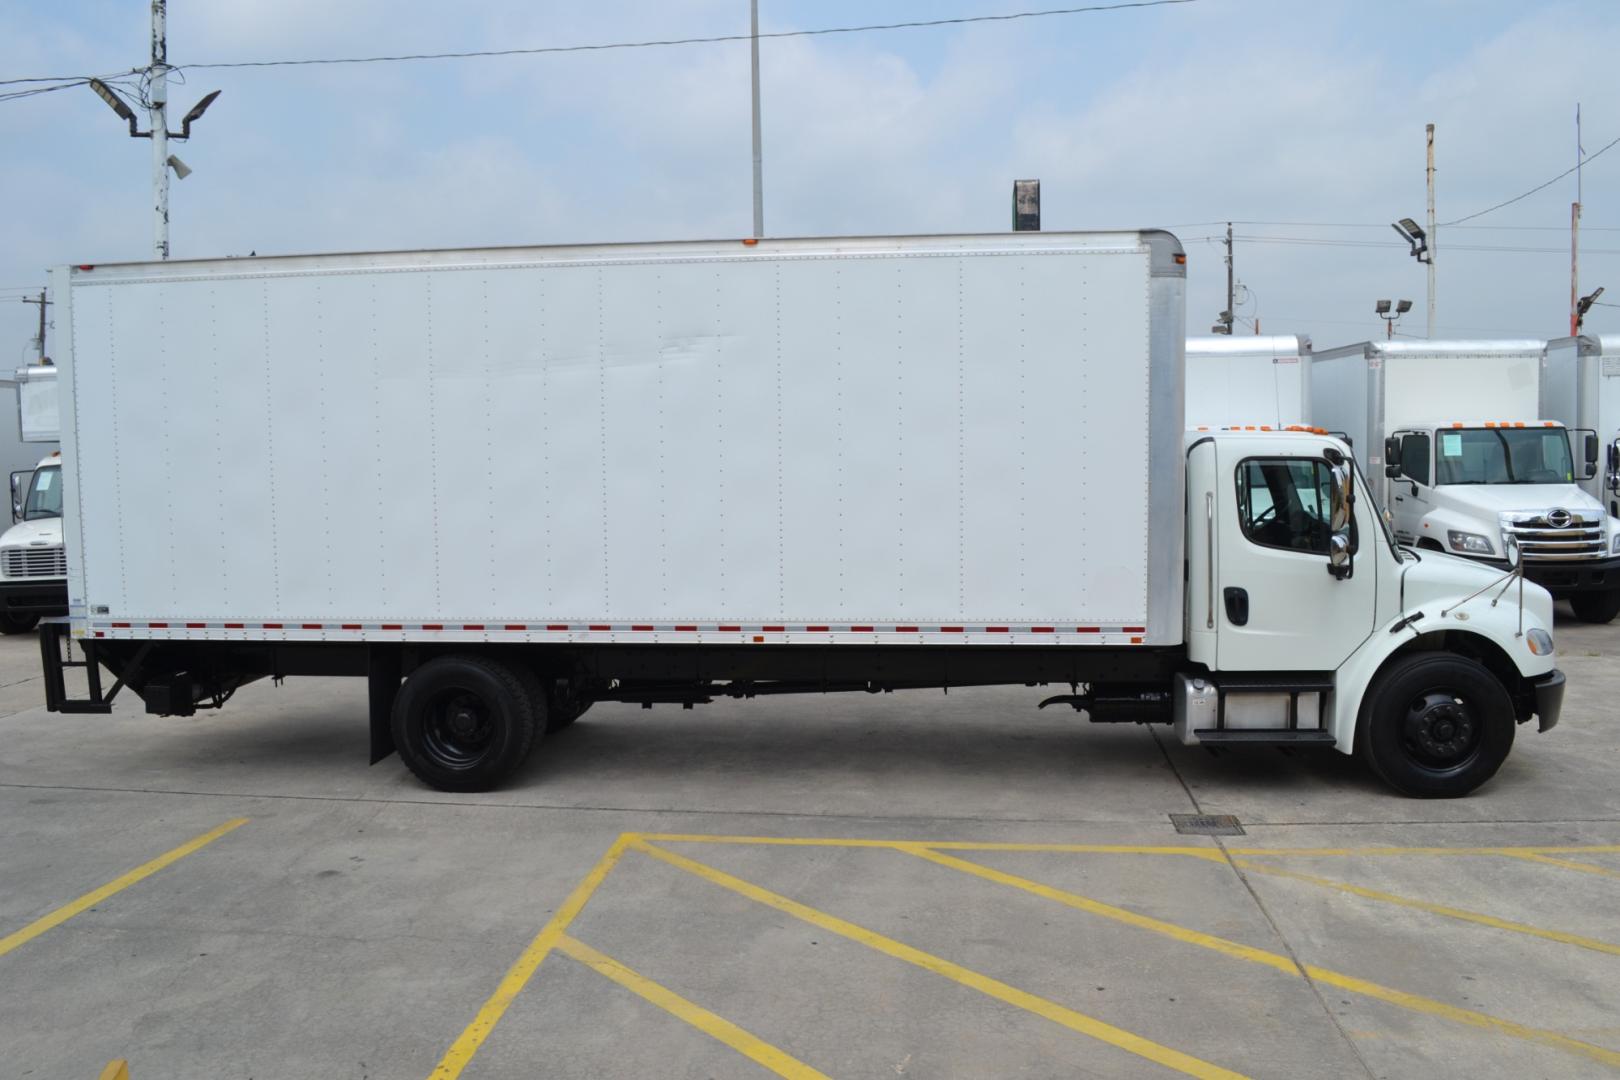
(1259, 380)
(1473, 467)
(33, 561)
(738, 469)
(1580, 387)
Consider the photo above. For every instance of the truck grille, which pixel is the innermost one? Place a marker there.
(1555, 535)
(34, 562)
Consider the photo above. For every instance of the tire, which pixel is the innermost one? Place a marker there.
(1435, 726)
(1596, 607)
(12, 622)
(463, 723)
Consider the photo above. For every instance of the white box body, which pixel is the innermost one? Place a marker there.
(908, 439)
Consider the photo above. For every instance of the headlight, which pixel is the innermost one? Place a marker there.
(1540, 641)
(1469, 543)
(1614, 548)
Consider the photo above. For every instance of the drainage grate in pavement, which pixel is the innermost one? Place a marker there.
(1207, 825)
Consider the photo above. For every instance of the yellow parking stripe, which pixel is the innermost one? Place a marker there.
(462, 1050)
(1567, 864)
(777, 1061)
(1273, 960)
(1435, 909)
(1537, 853)
(994, 988)
(117, 885)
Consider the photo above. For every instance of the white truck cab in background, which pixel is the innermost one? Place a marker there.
(33, 560)
(1249, 380)
(1494, 480)
(1580, 388)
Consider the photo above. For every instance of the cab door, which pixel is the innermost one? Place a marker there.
(1409, 499)
(1281, 606)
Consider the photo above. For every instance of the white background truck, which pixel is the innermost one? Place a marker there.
(33, 562)
(1580, 388)
(737, 469)
(1473, 466)
(1263, 379)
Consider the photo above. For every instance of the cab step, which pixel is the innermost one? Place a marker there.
(1263, 737)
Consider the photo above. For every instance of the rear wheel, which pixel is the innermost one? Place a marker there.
(463, 723)
(12, 622)
(1596, 607)
(1435, 726)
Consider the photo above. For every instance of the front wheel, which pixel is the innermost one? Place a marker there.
(463, 723)
(1435, 726)
(12, 622)
(1596, 607)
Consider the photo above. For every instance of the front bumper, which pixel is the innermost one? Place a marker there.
(1549, 695)
(1563, 578)
(34, 596)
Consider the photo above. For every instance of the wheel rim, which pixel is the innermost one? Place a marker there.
(459, 729)
(1441, 730)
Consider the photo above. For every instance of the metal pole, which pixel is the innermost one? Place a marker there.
(1574, 268)
(158, 93)
(1434, 240)
(759, 179)
(1231, 295)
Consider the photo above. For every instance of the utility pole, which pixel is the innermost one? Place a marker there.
(1434, 240)
(759, 177)
(158, 93)
(1230, 315)
(43, 304)
(1575, 234)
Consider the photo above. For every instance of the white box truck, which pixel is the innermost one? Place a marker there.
(33, 561)
(739, 469)
(1473, 467)
(1580, 388)
(1258, 380)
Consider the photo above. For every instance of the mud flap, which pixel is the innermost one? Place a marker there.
(383, 674)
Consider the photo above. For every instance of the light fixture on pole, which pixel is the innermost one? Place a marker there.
(1413, 234)
(1391, 317)
(159, 133)
(1584, 305)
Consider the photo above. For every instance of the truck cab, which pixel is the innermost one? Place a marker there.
(1500, 491)
(1308, 622)
(33, 560)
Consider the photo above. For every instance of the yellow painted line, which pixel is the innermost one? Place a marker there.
(117, 885)
(1567, 864)
(1213, 854)
(466, 1045)
(1278, 961)
(718, 1027)
(1436, 909)
(1011, 995)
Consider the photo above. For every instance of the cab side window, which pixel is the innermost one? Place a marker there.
(1286, 503)
(1415, 457)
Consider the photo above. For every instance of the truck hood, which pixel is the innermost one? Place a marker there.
(1495, 498)
(1445, 579)
(40, 531)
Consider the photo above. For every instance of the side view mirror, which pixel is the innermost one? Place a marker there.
(1614, 467)
(1511, 551)
(1392, 456)
(1340, 558)
(1591, 447)
(19, 482)
(1392, 469)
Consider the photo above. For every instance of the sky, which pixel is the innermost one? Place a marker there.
(1303, 122)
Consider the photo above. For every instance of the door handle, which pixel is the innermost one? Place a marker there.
(1237, 605)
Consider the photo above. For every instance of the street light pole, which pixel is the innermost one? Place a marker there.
(1434, 236)
(158, 93)
(759, 178)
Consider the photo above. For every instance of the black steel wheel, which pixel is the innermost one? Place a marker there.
(12, 622)
(463, 723)
(1596, 607)
(1435, 725)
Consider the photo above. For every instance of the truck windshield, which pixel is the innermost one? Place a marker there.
(44, 494)
(1503, 456)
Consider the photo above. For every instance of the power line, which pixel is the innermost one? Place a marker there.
(668, 42)
(1533, 190)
